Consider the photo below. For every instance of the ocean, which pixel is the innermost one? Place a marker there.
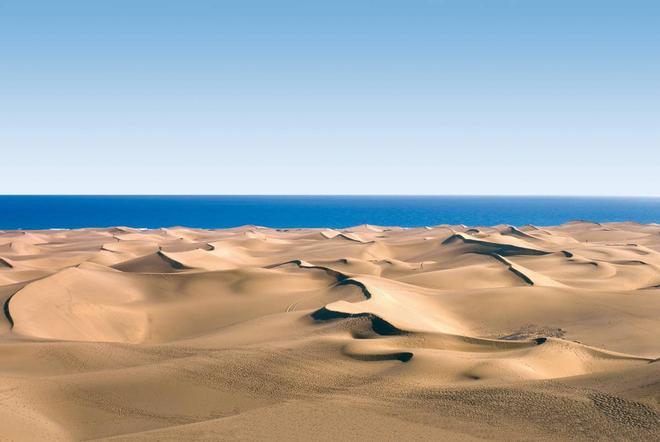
(49, 212)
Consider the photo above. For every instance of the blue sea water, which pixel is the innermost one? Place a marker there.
(46, 212)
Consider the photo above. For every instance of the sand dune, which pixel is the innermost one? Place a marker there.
(445, 332)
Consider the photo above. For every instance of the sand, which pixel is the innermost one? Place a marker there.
(445, 332)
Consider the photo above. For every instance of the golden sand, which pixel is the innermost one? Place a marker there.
(443, 332)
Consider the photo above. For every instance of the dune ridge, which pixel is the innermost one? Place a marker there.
(368, 332)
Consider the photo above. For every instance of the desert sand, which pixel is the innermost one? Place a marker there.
(444, 332)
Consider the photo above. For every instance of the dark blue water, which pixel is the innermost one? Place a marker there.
(43, 212)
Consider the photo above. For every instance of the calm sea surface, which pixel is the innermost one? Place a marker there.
(45, 212)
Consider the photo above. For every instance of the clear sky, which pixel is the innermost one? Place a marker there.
(330, 97)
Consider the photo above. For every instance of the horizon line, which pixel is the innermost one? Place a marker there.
(324, 195)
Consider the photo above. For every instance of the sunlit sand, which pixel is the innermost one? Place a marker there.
(444, 332)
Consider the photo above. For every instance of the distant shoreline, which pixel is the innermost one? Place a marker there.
(38, 212)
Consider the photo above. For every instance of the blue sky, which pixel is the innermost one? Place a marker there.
(551, 97)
